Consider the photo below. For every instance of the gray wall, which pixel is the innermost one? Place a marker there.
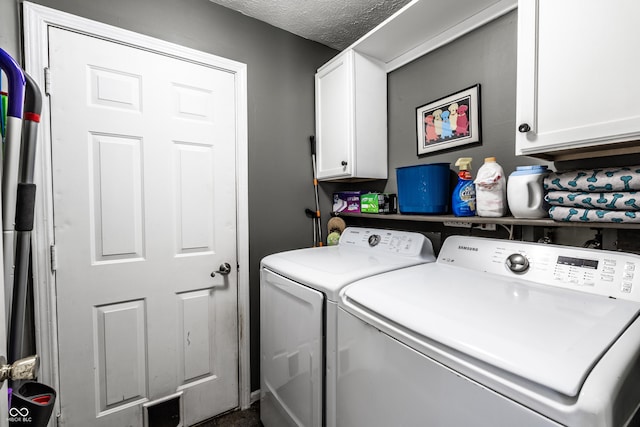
(9, 28)
(486, 56)
(281, 70)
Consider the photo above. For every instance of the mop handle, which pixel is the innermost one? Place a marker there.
(11, 158)
(17, 82)
(26, 187)
(312, 139)
(18, 335)
(10, 163)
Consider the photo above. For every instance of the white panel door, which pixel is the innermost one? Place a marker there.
(143, 153)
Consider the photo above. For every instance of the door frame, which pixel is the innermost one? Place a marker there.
(36, 20)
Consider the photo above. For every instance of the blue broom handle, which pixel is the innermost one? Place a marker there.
(16, 81)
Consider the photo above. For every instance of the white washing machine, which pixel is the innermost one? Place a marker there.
(298, 316)
(495, 333)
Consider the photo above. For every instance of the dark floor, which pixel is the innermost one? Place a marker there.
(246, 418)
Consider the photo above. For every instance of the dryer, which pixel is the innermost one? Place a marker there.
(298, 316)
(495, 333)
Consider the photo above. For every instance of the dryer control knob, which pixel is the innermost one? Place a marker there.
(374, 239)
(517, 263)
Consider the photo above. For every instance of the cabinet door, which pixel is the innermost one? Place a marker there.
(577, 74)
(334, 118)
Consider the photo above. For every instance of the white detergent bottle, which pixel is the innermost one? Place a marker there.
(491, 189)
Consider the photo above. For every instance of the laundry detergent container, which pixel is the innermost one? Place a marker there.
(423, 189)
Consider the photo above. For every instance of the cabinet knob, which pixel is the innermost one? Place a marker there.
(524, 128)
(344, 163)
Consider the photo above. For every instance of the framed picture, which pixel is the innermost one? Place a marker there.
(449, 122)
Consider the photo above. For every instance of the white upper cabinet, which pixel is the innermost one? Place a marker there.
(578, 69)
(351, 118)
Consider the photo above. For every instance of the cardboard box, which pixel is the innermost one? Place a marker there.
(347, 201)
(378, 203)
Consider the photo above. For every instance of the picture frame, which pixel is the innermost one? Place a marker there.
(441, 125)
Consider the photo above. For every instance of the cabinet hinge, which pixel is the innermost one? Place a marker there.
(53, 256)
(47, 81)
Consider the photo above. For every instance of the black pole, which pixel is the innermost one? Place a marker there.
(19, 337)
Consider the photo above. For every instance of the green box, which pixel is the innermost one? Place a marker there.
(378, 203)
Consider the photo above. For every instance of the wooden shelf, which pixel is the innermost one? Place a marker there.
(544, 222)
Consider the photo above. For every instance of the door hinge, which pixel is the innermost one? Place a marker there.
(53, 256)
(47, 81)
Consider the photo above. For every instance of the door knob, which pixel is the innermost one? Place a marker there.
(344, 163)
(224, 269)
(23, 369)
(524, 128)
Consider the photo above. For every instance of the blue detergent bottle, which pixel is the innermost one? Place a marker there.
(463, 199)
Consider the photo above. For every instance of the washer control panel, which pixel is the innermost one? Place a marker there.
(608, 273)
(388, 241)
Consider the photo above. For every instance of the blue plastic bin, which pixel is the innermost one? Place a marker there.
(423, 189)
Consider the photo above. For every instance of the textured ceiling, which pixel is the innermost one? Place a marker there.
(335, 23)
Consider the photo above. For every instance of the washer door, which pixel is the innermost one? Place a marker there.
(291, 352)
